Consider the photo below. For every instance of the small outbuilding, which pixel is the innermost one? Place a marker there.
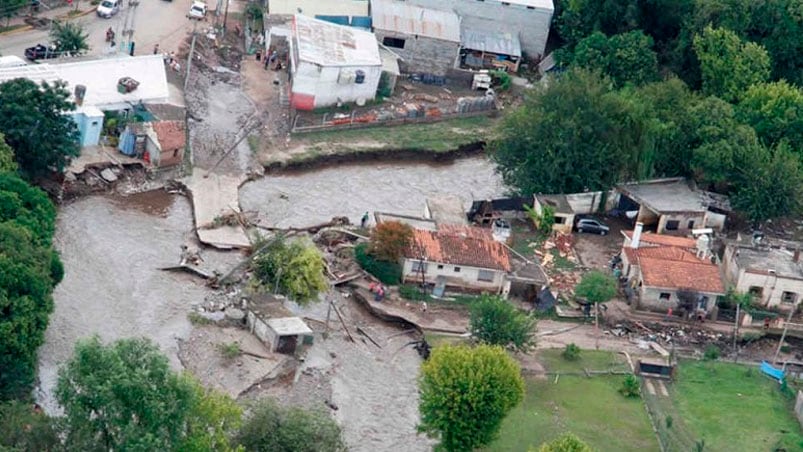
(284, 334)
(331, 64)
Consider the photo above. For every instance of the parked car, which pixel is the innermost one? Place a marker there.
(41, 52)
(593, 226)
(197, 10)
(108, 8)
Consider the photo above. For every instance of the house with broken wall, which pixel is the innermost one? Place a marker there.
(331, 64)
(770, 270)
(427, 40)
(673, 204)
(664, 270)
(95, 88)
(159, 143)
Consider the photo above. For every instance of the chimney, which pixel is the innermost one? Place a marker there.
(796, 256)
(636, 240)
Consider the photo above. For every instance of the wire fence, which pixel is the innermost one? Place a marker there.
(673, 433)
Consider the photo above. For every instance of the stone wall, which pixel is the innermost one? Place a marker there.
(421, 54)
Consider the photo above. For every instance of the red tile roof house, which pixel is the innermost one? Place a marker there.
(462, 257)
(659, 266)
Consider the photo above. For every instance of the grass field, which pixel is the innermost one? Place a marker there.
(436, 137)
(734, 408)
(591, 408)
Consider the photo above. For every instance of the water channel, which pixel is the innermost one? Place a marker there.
(112, 247)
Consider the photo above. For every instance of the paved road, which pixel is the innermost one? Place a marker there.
(156, 21)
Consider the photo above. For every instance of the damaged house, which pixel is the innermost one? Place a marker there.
(666, 205)
(769, 270)
(666, 272)
(159, 143)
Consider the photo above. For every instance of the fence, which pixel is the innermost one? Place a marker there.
(353, 122)
(673, 433)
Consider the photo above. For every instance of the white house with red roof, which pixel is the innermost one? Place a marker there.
(662, 269)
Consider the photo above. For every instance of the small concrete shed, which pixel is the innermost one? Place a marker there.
(284, 334)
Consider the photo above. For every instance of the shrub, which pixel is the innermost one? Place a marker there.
(230, 350)
(669, 421)
(596, 287)
(502, 80)
(571, 352)
(387, 272)
(630, 386)
(496, 321)
(711, 352)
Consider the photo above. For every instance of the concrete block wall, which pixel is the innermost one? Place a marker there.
(422, 54)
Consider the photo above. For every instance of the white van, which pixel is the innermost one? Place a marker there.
(108, 8)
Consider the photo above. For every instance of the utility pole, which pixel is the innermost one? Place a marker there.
(736, 334)
(192, 51)
(124, 46)
(783, 335)
(225, 16)
(596, 325)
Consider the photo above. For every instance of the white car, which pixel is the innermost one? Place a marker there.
(197, 10)
(108, 8)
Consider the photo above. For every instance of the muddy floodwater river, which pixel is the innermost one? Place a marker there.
(112, 247)
(305, 199)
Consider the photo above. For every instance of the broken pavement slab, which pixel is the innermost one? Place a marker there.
(215, 196)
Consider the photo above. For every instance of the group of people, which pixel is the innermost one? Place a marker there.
(378, 290)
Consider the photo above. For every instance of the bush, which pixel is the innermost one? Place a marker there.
(230, 350)
(389, 239)
(501, 80)
(496, 321)
(711, 352)
(571, 352)
(630, 387)
(669, 421)
(387, 272)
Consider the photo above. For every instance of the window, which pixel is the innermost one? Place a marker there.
(756, 291)
(94, 123)
(560, 220)
(440, 266)
(457, 269)
(419, 266)
(789, 297)
(690, 225)
(396, 43)
(664, 296)
(485, 275)
(672, 225)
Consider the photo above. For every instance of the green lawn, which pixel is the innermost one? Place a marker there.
(734, 408)
(591, 408)
(438, 136)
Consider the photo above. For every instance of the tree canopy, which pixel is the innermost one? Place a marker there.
(389, 239)
(124, 396)
(33, 120)
(775, 111)
(625, 57)
(69, 37)
(7, 162)
(496, 321)
(596, 287)
(24, 429)
(466, 392)
(29, 270)
(295, 267)
(729, 65)
(272, 428)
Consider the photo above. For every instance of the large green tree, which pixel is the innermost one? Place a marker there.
(769, 183)
(575, 134)
(124, 396)
(29, 269)
(775, 111)
(272, 428)
(596, 287)
(466, 392)
(496, 321)
(625, 57)
(295, 267)
(34, 119)
(69, 37)
(729, 65)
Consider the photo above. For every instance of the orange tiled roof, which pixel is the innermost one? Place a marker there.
(668, 274)
(668, 253)
(171, 134)
(459, 245)
(664, 240)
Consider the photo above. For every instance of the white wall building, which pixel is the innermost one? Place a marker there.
(331, 64)
(772, 274)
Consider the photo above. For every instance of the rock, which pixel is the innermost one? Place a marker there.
(108, 175)
(69, 176)
(234, 314)
(213, 316)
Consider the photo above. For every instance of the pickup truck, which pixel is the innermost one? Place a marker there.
(41, 52)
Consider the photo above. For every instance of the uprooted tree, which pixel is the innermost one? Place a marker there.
(294, 268)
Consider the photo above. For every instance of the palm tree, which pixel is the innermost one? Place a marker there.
(69, 37)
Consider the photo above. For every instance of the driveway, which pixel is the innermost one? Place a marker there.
(155, 21)
(595, 251)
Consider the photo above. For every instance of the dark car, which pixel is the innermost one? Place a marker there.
(593, 226)
(40, 52)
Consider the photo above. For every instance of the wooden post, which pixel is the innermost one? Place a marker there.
(328, 313)
(736, 334)
(596, 325)
(783, 335)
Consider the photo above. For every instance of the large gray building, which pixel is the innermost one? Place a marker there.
(528, 20)
(426, 39)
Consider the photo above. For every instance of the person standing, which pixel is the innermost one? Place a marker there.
(364, 220)
(156, 49)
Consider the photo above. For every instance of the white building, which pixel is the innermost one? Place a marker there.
(314, 8)
(331, 64)
(772, 273)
